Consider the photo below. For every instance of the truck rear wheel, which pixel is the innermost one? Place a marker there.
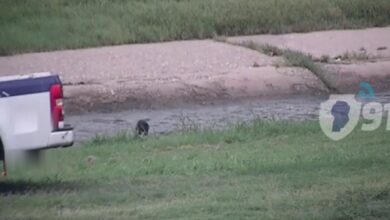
(2, 154)
(2, 158)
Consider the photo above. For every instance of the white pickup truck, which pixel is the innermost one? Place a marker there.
(31, 114)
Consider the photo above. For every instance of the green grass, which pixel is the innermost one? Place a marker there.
(42, 25)
(292, 58)
(355, 56)
(262, 170)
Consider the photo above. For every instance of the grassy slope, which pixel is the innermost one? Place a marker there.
(258, 171)
(41, 25)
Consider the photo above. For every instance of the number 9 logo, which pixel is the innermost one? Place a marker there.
(372, 112)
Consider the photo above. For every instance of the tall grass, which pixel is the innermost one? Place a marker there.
(42, 25)
(292, 58)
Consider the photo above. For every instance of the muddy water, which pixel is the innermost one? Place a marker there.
(167, 120)
(164, 121)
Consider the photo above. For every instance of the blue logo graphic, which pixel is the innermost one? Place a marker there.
(366, 91)
(340, 111)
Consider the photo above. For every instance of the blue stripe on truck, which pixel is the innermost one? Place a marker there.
(27, 86)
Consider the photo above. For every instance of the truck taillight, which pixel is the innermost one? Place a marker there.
(57, 112)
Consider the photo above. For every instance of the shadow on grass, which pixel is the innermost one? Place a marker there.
(368, 203)
(22, 187)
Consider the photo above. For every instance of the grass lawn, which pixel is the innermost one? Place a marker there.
(42, 25)
(273, 170)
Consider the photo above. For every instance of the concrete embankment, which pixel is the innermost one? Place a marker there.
(205, 71)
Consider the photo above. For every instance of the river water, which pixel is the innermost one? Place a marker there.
(165, 120)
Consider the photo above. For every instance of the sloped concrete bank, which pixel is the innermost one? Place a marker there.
(201, 72)
(346, 57)
(346, 77)
(248, 83)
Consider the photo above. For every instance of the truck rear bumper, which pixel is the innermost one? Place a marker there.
(61, 138)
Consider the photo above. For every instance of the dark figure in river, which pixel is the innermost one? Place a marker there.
(142, 127)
